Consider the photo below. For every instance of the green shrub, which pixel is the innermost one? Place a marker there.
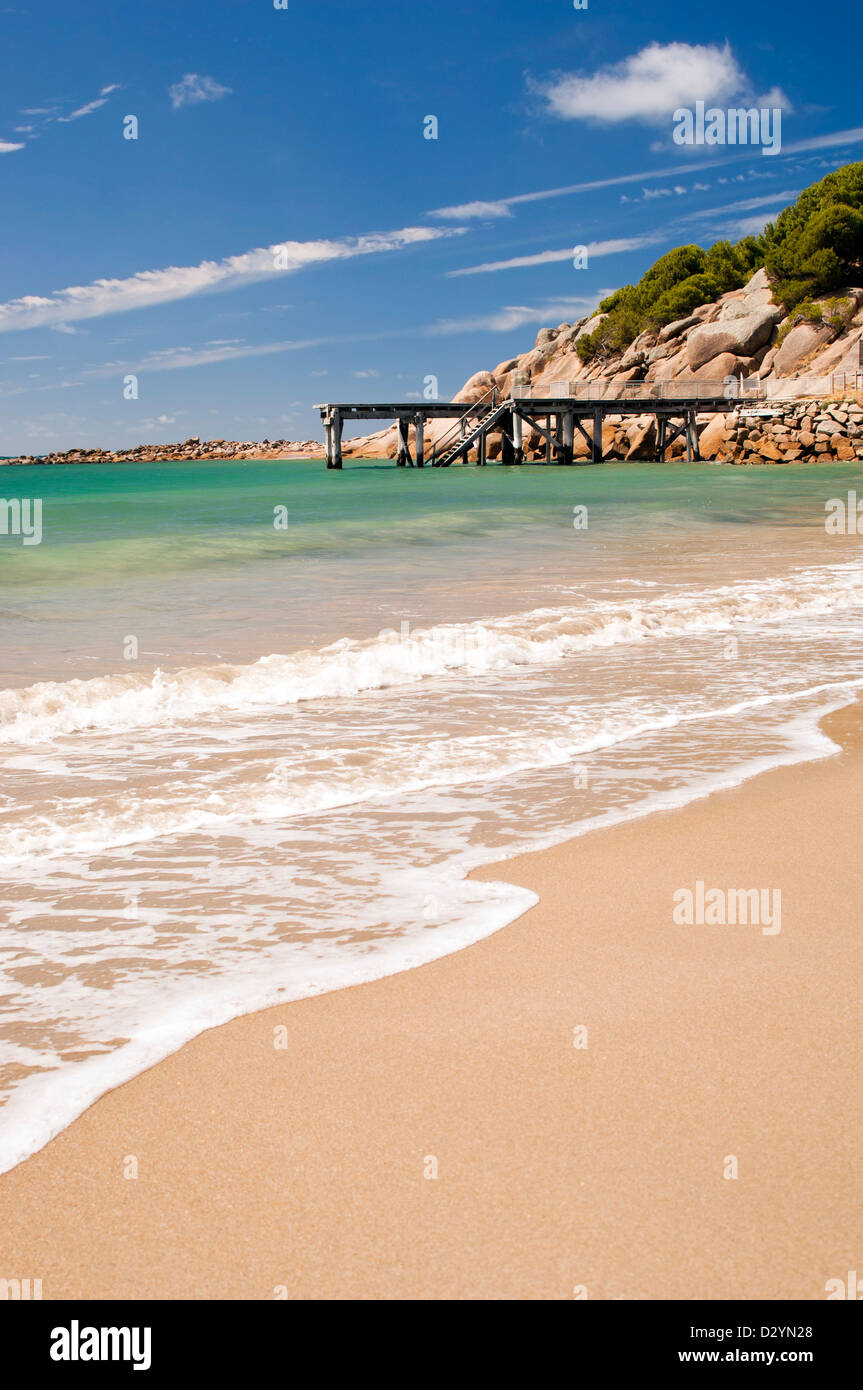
(817, 243)
(840, 311)
(807, 312)
(814, 246)
(680, 300)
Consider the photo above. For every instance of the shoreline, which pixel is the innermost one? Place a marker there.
(557, 1166)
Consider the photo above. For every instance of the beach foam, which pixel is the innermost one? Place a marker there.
(346, 668)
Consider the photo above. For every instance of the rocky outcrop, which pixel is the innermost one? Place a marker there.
(189, 450)
(740, 335)
(801, 344)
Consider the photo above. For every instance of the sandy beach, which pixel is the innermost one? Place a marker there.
(305, 1170)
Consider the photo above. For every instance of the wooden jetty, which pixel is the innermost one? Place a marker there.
(555, 414)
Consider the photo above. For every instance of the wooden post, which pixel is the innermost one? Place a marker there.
(691, 437)
(548, 439)
(558, 438)
(403, 453)
(506, 447)
(567, 436)
(661, 431)
(337, 440)
(481, 450)
(418, 451)
(516, 437)
(596, 451)
(328, 436)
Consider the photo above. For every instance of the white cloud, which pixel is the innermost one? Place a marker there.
(193, 89)
(174, 359)
(744, 205)
(752, 226)
(853, 136)
(594, 248)
(463, 212)
(775, 97)
(147, 287)
(516, 315)
(7, 147)
(836, 139)
(82, 111)
(541, 195)
(648, 85)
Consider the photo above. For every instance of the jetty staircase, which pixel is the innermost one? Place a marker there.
(468, 430)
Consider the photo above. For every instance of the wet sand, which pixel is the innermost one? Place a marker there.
(305, 1170)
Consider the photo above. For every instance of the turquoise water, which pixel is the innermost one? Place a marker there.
(102, 521)
(240, 764)
(192, 551)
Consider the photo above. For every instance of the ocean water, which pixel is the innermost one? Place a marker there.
(258, 721)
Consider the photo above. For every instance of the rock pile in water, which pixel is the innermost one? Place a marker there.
(193, 448)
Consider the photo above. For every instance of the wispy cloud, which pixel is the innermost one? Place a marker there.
(49, 115)
(517, 315)
(463, 212)
(148, 287)
(752, 226)
(8, 146)
(179, 358)
(499, 321)
(194, 89)
(594, 249)
(833, 140)
(852, 136)
(542, 194)
(743, 205)
(83, 111)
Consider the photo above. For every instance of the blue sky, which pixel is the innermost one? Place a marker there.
(403, 257)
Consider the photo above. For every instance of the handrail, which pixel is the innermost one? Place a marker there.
(600, 390)
(443, 443)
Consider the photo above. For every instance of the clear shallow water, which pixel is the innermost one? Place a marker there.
(325, 728)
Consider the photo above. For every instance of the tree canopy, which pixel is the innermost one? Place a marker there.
(814, 246)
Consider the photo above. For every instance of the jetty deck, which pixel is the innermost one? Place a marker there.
(554, 411)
